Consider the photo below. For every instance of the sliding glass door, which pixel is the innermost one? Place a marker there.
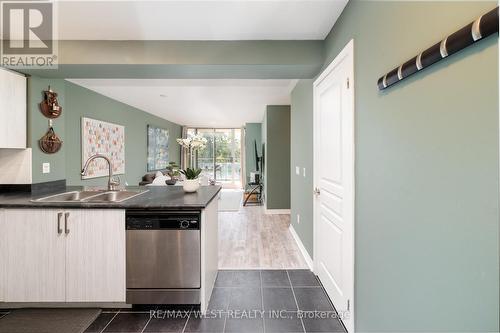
(221, 159)
(205, 157)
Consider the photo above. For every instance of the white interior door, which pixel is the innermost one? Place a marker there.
(334, 182)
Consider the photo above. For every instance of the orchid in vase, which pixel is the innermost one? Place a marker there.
(192, 144)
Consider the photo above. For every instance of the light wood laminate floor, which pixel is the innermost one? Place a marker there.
(250, 239)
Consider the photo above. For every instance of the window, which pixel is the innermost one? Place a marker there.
(221, 159)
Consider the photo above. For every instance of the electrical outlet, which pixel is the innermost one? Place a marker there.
(297, 170)
(298, 218)
(304, 172)
(45, 167)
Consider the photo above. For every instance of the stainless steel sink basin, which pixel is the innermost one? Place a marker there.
(91, 196)
(69, 196)
(113, 196)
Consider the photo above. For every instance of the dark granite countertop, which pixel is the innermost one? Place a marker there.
(156, 197)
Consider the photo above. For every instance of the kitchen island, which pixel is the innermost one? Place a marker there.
(80, 252)
(153, 197)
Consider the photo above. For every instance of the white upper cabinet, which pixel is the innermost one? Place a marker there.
(13, 102)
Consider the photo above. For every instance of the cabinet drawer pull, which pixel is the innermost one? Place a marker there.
(66, 220)
(59, 217)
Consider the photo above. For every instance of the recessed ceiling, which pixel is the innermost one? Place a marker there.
(202, 103)
(197, 20)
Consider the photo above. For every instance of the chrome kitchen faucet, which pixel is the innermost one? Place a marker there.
(112, 182)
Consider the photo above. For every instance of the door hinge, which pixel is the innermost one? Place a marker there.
(348, 305)
(347, 83)
(317, 191)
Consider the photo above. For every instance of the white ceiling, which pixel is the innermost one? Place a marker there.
(197, 20)
(203, 103)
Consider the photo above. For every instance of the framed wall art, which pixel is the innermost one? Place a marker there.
(158, 142)
(100, 137)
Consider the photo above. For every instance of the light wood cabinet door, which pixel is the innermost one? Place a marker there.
(34, 256)
(95, 255)
(12, 110)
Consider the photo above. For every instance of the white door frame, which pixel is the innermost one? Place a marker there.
(347, 54)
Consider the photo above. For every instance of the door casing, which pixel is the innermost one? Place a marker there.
(347, 54)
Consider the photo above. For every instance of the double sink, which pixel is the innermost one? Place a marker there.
(91, 196)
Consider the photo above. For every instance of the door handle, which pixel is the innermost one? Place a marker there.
(317, 191)
(59, 217)
(66, 220)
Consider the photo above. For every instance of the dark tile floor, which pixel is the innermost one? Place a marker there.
(243, 301)
(3, 313)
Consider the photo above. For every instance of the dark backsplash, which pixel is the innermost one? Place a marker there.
(39, 188)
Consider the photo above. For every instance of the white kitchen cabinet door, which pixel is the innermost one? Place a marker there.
(210, 251)
(95, 255)
(12, 110)
(34, 257)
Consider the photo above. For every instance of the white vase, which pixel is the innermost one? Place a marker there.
(191, 185)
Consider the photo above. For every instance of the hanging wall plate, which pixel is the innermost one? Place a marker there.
(50, 105)
(50, 143)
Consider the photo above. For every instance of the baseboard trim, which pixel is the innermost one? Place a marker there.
(276, 211)
(302, 248)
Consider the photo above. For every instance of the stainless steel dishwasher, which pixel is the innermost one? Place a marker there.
(163, 257)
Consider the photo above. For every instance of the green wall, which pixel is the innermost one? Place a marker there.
(426, 170)
(277, 173)
(87, 103)
(253, 132)
(38, 126)
(78, 102)
(426, 155)
(302, 157)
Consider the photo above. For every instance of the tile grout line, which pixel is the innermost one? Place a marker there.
(230, 292)
(296, 303)
(189, 316)
(225, 321)
(262, 300)
(146, 324)
(116, 314)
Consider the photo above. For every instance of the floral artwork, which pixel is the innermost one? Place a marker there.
(99, 137)
(157, 148)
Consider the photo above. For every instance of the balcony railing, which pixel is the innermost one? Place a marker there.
(227, 169)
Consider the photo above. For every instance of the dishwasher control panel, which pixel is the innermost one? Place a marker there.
(162, 220)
